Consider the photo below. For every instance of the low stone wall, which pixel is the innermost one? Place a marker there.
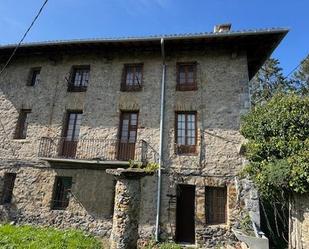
(299, 222)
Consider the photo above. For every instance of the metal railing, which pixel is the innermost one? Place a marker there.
(97, 149)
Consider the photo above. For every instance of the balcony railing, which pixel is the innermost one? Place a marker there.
(97, 149)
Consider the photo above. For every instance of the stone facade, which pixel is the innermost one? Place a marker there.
(222, 96)
(90, 208)
(299, 222)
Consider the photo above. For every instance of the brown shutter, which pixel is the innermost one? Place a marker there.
(195, 75)
(123, 79)
(29, 78)
(177, 76)
(215, 205)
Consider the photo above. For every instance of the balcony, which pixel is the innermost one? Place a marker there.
(96, 150)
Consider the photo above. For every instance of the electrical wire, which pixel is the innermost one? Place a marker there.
(23, 37)
(8, 62)
(293, 69)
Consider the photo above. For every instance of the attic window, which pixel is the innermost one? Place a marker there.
(22, 124)
(186, 76)
(79, 79)
(34, 76)
(132, 77)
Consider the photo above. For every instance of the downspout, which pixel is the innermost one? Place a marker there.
(161, 142)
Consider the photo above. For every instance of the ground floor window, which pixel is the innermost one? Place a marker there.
(215, 205)
(62, 189)
(8, 186)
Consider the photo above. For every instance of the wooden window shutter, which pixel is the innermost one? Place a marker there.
(216, 205)
(123, 78)
(177, 76)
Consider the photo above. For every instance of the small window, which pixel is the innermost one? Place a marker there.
(62, 189)
(79, 79)
(8, 186)
(34, 76)
(215, 205)
(132, 77)
(186, 132)
(22, 125)
(186, 76)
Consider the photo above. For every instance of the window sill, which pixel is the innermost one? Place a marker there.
(76, 91)
(54, 209)
(186, 88)
(186, 154)
(139, 89)
(22, 140)
(77, 88)
(221, 225)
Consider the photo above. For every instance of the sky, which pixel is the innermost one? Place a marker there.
(80, 19)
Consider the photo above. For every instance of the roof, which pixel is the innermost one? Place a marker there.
(259, 44)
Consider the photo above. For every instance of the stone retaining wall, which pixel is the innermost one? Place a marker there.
(299, 222)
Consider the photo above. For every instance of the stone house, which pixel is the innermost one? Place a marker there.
(72, 112)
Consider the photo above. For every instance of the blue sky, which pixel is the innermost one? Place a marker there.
(74, 19)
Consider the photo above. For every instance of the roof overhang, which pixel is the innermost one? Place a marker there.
(258, 44)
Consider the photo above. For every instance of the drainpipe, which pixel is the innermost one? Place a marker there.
(161, 142)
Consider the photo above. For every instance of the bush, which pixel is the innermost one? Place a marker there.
(278, 145)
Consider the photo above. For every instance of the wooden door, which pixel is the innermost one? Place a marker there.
(68, 144)
(185, 206)
(127, 135)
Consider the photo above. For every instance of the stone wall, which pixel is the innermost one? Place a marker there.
(299, 222)
(91, 199)
(221, 98)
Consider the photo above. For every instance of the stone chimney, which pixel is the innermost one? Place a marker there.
(221, 28)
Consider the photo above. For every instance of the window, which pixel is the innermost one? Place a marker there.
(79, 79)
(132, 77)
(215, 205)
(71, 134)
(21, 127)
(8, 185)
(186, 76)
(62, 189)
(186, 132)
(72, 126)
(127, 135)
(34, 76)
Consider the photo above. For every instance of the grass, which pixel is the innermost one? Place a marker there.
(22, 237)
(164, 245)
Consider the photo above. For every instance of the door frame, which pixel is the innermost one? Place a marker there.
(122, 112)
(177, 214)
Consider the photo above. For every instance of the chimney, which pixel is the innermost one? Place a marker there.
(220, 28)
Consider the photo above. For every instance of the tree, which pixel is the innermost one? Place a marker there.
(278, 144)
(268, 81)
(277, 147)
(300, 78)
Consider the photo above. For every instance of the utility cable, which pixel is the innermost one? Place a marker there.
(8, 62)
(23, 37)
